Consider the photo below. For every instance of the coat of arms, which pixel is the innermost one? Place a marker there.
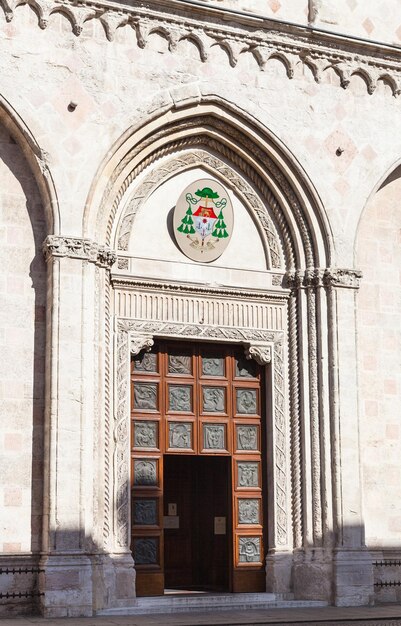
(203, 220)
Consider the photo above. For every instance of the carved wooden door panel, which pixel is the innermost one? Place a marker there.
(197, 400)
(248, 443)
(147, 427)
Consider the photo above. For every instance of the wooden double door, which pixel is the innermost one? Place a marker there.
(197, 462)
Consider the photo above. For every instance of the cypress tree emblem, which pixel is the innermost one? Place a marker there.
(187, 223)
(220, 229)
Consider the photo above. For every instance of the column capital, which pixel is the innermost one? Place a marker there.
(342, 277)
(57, 246)
(329, 277)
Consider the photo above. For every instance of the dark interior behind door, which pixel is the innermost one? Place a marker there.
(197, 554)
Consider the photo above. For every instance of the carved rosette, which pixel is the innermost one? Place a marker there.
(55, 246)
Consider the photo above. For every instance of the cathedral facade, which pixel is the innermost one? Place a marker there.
(200, 313)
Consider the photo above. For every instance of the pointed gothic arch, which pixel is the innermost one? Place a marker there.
(238, 138)
(287, 208)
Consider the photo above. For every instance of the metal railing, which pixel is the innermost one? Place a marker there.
(20, 594)
(387, 563)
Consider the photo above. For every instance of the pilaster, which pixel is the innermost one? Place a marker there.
(353, 572)
(333, 563)
(69, 541)
(312, 568)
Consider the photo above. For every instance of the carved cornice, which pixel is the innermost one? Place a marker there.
(251, 336)
(259, 352)
(264, 38)
(131, 284)
(77, 248)
(331, 277)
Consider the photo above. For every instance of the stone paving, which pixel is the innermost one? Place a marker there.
(327, 616)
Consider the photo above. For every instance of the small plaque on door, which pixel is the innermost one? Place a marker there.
(219, 525)
(172, 508)
(171, 521)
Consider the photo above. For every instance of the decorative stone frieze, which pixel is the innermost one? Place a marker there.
(77, 248)
(338, 277)
(218, 311)
(121, 438)
(197, 331)
(265, 39)
(73, 247)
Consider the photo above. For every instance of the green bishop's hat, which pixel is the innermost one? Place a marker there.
(206, 192)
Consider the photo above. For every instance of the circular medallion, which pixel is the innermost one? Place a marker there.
(203, 220)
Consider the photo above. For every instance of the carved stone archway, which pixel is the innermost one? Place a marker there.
(188, 160)
(307, 492)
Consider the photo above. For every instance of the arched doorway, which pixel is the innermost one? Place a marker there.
(283, 313)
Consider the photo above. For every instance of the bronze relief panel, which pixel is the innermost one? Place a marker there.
(145, 396)
(180, 398)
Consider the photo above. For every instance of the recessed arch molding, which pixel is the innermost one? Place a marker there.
(301, 353)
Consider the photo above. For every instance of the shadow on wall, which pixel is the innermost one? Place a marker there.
(75, 583)
(96, 578)
(24, 317)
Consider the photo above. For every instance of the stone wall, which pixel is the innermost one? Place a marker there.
(80, 80)
(355, 18)
(379, 346)
(23, 313)
(116, 84)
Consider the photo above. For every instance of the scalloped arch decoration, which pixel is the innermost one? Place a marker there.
(346, 56)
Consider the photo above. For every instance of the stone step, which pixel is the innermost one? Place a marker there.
(181, 603)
